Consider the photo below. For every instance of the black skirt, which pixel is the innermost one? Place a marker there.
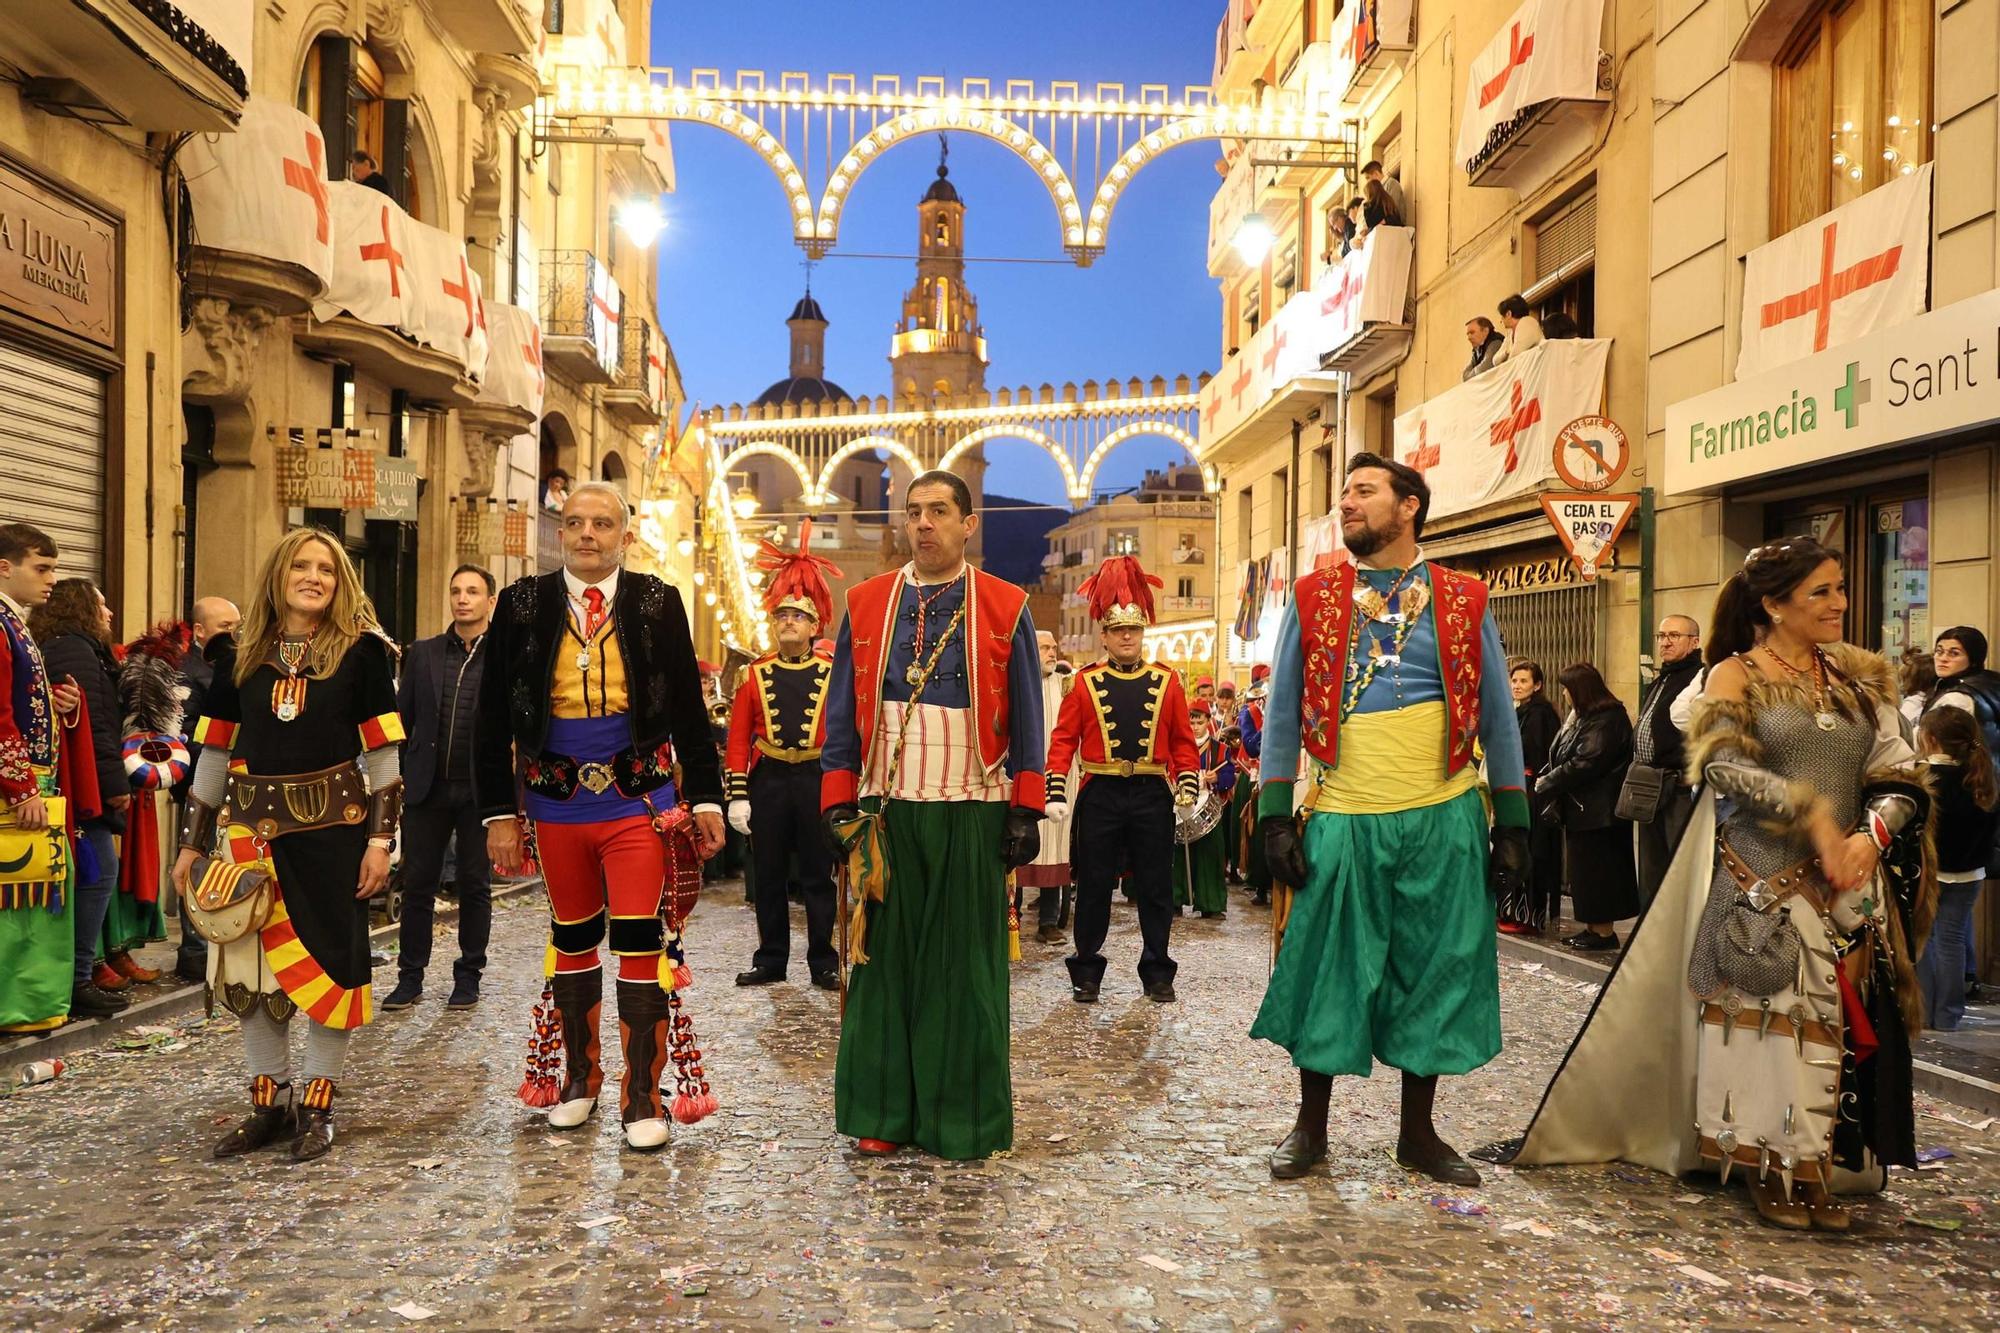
(1602, 878)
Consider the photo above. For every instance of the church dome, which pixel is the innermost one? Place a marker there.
(942, 191)
(801, 389)
(807, 308)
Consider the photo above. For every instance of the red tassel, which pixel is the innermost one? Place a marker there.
(542, 1084)
(692, 1100)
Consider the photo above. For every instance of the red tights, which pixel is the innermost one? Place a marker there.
(590, 870)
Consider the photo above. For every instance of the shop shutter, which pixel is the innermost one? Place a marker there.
(52, 455)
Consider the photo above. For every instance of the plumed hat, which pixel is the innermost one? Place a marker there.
(798, 578)
(1120, 593)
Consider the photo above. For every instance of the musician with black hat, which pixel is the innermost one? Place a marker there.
(1125, 721)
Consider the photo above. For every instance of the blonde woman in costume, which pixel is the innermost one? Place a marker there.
(1781, 940)
(299, 738)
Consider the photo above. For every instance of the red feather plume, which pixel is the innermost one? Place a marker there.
(797, 573)
(1120, 581)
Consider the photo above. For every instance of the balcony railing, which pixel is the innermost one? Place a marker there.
(636, 394)
(150, 64)
(582, 310)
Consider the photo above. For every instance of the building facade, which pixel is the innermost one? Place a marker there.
(1168, 522)
(1335, 343)
(309, 264)
(90, 318)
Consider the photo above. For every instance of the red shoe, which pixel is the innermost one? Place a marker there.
(128, 967)
(108, 978)
(876, 1147)
(1516, 928)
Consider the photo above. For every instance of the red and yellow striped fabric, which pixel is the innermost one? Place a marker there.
(386, 729)
(214, 731)
(305, 981)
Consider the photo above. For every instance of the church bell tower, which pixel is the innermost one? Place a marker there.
(939, 350)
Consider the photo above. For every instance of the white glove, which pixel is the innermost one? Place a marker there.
(739, 817)
(1056, 810)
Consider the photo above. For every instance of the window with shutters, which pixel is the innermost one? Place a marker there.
(1852, 106)
(1564, 289)
(342, 88)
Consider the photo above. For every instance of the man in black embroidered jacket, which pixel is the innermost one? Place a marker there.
(593, 693)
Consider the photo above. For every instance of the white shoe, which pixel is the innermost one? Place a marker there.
(570, 1114)
(646, 1135)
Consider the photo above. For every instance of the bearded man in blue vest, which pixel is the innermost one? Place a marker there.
(1389, 670)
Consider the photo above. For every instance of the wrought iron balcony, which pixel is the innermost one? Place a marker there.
(637, 395)
(582, 310)
(150, 64)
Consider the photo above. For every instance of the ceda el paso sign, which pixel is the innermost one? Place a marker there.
(1931, 376)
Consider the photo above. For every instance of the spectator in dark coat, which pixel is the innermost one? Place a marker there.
(1486, 344)
(73, 630)
(213, 620)
(1586, 767)
(1539, 723)
(362, 171)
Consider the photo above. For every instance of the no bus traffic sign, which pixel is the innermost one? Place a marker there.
(1588, 522)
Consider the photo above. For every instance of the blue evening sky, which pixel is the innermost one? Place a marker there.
(730, 272)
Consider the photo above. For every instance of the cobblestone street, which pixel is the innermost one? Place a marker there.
(1136, 1195)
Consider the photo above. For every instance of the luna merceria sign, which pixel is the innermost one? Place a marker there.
(58, 258)
(1930, 376)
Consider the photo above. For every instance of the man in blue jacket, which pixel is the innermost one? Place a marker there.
(439, 700)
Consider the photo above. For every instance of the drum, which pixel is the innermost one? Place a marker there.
(1195, 822)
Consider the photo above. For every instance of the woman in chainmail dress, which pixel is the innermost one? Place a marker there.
(1786, 944)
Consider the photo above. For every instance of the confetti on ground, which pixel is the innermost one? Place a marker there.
(1665, 1256)
(591, 1223)
(427, 1164)
(411, 1310)
(1935, 1223)
(1057, 1138)
(1780, 1284)
(1925, 1155)
(1531, 1226)
(1702, 1275)
(1458, 1207)
(1155, 1261)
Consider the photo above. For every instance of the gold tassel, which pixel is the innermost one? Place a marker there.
(1013, 921)
(549, 960)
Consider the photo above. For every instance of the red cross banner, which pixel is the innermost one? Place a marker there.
(391, 270)
(1545, 50)
(263, 190)
(1843, 275)
(1493, 437)
(605, 314)
(514, 358)
(1360, 30)
(592, 39)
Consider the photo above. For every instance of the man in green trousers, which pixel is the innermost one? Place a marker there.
(934, 724)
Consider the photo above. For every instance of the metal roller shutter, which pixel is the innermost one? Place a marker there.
(1553, 626)
(52, 455)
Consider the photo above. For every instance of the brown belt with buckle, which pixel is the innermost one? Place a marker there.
(1766, 891)
(298, 802)
(803, 754)
(1124, 768)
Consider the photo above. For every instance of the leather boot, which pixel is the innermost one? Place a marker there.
(315, 1136)
(579, 1000)
(270, 1119)
(1824, 1213)
(1774, 1207)
(105, 977)
(642, 1025)
(126, 966)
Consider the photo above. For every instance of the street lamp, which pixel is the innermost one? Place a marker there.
(686, 547)
(743, 504)
(641, 220)
(1254, 239)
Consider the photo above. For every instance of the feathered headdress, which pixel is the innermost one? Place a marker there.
(1120, 593)
(150, 684)
(798, 578)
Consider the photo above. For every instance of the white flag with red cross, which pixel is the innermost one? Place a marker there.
(1493, 437)
(1545, 50)
(514, 359)
(263, 190)
(372, 255)
(1862, 267)
(448, 315)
